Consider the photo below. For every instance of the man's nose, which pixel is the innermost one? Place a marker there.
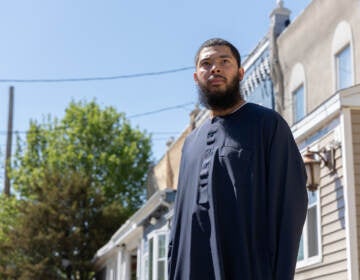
(215, 68)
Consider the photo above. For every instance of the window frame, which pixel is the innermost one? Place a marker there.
(293, 94)
(157, 258)
(145, 259)
(342, 38)
(337, 72)
(154, 236)
(307, 261)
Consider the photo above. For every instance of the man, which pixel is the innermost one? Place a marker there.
(241, 200)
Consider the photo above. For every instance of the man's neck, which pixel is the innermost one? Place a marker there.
(228, 111)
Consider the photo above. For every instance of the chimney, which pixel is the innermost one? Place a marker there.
(280, 19)
(193, 116)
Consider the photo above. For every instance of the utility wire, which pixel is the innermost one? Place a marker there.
(160, 139)
(132, 116)
(160, 110)
(104, 78)
(164, 132)
(91, 79)
(4, 133)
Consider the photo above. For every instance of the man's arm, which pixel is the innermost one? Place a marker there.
(287, 201)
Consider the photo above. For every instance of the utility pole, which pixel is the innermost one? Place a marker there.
(9, 140)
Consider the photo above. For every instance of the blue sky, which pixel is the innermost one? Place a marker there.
(77, 39)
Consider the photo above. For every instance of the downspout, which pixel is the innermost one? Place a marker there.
(280, 19)
(276, 75)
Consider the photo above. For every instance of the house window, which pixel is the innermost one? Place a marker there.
(161, 257)
(309, 249)
(145, 271)
(298, 104)
(150, 261)
(155, 259)
(343, 68)
(146, 267)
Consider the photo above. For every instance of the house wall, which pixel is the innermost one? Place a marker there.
(333, 259)
(308, 43)
(355, 120)
(307, 50)
(166, 171)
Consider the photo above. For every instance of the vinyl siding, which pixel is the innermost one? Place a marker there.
(355, 120)
(332, 264)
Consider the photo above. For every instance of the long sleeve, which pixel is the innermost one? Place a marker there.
(287, 201)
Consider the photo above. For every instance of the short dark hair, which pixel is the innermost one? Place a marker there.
(219, 42)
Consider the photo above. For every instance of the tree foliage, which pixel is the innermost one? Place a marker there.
(78, 180)
(9, 258)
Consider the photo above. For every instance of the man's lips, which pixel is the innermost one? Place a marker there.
(216, 79)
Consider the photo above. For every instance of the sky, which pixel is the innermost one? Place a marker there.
(69, 39)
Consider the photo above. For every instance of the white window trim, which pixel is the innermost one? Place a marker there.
(297, 80)
(155, 236)
(315, 259)
(144, 258)
(293, 102)
(342, 38)
(336, 62)
(138, 261)
(156, 255)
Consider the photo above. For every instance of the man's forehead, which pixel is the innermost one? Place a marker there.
(215, 51)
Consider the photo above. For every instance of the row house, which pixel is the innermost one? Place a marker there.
(307, 70)
(318, 56)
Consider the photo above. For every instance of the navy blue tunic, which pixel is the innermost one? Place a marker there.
(241, 200)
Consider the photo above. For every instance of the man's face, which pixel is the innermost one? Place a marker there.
(218, 76)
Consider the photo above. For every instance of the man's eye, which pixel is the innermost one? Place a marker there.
(205, 63)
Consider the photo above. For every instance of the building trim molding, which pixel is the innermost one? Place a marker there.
(349, 97)
(349, 195)
(339, 105)
(316, 118)
(132, 228)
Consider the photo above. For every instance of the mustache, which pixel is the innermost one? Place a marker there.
(214, 76)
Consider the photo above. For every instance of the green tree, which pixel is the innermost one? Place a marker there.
(78, 179)
(9, 258)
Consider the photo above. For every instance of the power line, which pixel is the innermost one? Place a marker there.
(4, 133)
(91, 79)
(160, 139)
(104, 78)
(130, 117)
(160, 110)
(153, 139)
(164, 132)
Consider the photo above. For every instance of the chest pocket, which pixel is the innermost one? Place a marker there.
(237, 163)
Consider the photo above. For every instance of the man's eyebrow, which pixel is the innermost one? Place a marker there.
(221, 56)
(225, 56)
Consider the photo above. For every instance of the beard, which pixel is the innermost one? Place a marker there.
(220, 99)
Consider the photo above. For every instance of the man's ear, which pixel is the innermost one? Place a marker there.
(241, 73)
(196, 78)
